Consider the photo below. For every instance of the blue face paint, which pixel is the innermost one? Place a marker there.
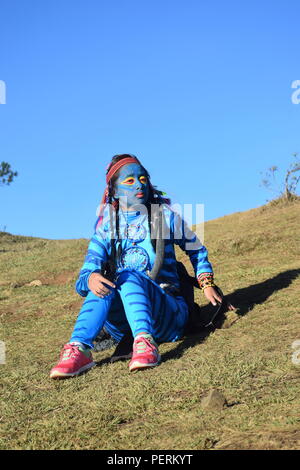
(132, 186)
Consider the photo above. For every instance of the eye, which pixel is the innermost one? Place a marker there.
(128, 181)
(143, 179)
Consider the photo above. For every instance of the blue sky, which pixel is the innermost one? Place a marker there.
(200, 91)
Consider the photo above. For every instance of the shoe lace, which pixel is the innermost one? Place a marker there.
(69, 351)
(143, 345)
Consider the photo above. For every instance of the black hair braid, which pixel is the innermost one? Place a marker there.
(112, 262)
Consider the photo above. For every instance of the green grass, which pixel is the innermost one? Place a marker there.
(256, 259)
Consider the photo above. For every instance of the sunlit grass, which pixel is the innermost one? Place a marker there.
(256, 259)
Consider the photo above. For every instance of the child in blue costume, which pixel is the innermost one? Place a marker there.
(120, 293)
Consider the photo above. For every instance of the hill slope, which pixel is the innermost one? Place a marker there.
(256, 259)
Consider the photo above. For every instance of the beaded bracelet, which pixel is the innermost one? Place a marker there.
(206, 280)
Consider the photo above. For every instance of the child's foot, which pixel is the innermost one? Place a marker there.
(145, 353)
(73, 360)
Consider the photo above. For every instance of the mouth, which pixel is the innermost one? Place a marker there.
(140, 195)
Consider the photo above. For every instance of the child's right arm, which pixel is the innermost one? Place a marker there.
(96, 257)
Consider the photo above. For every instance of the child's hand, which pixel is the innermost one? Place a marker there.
(212, 295)
(97, 285)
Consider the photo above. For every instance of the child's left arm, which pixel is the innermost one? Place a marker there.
(191, 245)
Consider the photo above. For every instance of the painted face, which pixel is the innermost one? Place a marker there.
(132, 186)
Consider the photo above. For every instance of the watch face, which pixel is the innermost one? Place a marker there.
(135, 258)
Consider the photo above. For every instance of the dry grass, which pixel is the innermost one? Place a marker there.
(256, 259)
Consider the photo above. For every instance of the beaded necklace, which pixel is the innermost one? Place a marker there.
(134, 233)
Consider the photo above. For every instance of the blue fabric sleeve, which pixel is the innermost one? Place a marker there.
(96, 257)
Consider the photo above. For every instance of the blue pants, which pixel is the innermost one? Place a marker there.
(137, 304)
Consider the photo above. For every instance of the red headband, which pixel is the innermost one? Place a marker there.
(118, 165)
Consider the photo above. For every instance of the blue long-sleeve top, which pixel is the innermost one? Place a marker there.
(137, 250)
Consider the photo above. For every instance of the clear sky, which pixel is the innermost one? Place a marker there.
(200, 91)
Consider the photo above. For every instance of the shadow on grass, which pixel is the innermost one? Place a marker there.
(104, 361)
(250, 296)
(243, 299)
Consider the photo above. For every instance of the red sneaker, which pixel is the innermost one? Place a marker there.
(145, 353)
(72, 362)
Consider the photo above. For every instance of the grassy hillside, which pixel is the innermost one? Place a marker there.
(256, 259)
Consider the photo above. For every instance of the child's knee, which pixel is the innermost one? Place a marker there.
(125, 276)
